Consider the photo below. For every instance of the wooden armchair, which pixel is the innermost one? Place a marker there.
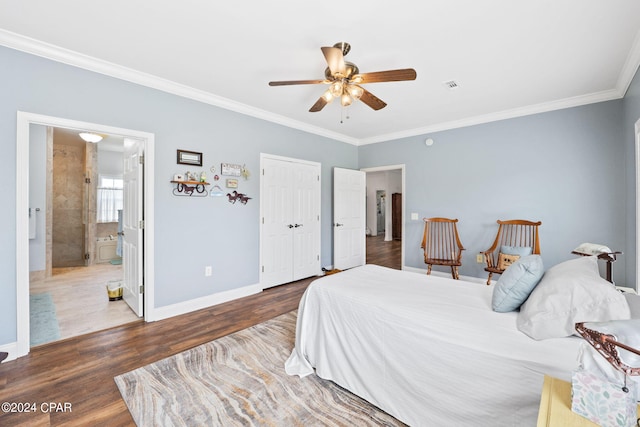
(517, 234)
(441, 244)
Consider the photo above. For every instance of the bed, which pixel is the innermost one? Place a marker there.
(428, 350)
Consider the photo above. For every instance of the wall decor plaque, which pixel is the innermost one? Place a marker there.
(230, 169)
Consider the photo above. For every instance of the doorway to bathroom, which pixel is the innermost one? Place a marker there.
(80, 200)
(79, 290)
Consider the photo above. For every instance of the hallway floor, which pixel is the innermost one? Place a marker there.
(387, 254)
(80, 297)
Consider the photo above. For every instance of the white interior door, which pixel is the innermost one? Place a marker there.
(306, 220)
(349, 218)
(132, 225)
(277, 222)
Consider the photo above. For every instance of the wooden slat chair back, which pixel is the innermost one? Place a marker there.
(441, 244)
(514, 232)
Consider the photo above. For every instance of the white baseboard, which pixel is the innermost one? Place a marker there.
(160, 313)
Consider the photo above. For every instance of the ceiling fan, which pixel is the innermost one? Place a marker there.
(344, 80)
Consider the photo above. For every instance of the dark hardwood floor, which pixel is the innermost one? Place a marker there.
(387, 254)
(78, 372)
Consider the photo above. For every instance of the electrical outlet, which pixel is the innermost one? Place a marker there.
(480, 258)
(208, 271)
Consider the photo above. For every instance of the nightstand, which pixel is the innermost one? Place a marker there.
(555, 406)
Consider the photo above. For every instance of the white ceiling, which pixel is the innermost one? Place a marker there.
(510, 58)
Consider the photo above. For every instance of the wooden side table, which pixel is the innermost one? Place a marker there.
(555, 406)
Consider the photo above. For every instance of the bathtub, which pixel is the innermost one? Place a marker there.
(106, 249)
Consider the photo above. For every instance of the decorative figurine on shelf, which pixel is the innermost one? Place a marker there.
(190, 176)
(203, 177)
(245, 172)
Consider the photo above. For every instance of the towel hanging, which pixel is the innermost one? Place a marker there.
(32, 222)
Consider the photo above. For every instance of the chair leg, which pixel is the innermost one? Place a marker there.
(489, 279)
(429, 269)
(454, 272)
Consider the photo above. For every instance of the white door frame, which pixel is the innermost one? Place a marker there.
(400, 167)
(637, 167)
(24, 119)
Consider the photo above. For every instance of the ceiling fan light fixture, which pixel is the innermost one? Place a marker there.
(345, 100)
(328, 96)
(336, 88)
(90, 137)
(355, 91)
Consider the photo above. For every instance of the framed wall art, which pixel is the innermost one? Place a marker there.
(189, 158)
(232, 183)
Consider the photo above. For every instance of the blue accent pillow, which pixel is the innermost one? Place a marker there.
(516, 283)
(516, 250)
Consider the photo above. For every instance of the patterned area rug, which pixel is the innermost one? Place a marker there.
(43, 323)
(239, 380)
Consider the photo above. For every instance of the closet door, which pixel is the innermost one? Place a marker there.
(306, 220)
(277, 222)
(290, 223)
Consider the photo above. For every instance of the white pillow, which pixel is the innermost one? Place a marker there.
(570, 292)
(634, 304)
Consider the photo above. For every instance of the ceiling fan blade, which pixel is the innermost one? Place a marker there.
(386, 76)
(319, 105)
(371, 100)
(297, 82)
(335, 60)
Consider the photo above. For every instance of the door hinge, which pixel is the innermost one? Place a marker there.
(87, 256)
(87, 180)
(141, 289)
(263, 268)
(141, 224)
(141, 159)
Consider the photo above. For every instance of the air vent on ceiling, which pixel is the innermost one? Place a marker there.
(451, 84)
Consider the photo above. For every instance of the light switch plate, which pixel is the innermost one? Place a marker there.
(414, 216)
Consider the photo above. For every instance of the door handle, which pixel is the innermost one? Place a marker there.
(339, 225)
(298, 225)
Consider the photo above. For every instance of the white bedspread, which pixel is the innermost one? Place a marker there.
(427, 350)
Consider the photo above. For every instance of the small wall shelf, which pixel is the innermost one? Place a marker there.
(190, 188)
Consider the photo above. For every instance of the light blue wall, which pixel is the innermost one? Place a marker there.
(631, 105)
(190, 233)
(564, 168)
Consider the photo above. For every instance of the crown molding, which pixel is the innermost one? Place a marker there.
(630, 67)
(576, 101)
(628, 72)
(69, 57)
